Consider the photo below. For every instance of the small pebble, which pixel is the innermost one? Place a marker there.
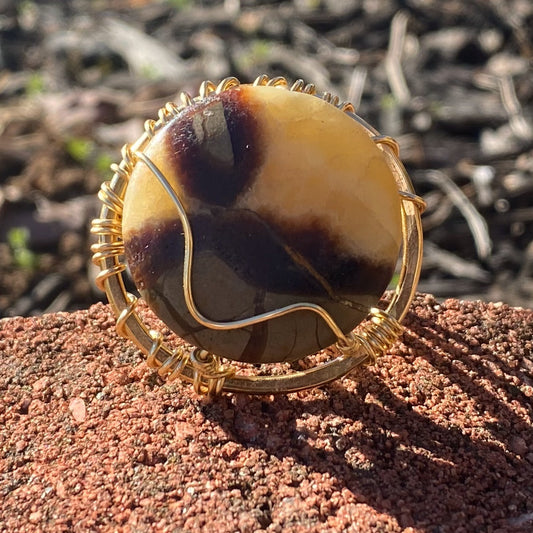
(78, 409)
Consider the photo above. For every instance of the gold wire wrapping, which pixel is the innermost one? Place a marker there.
(203, 369)
(375, 336)
(173, 365)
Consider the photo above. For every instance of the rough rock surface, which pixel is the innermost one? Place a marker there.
(437, 437)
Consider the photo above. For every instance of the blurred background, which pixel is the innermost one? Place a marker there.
(451, 80)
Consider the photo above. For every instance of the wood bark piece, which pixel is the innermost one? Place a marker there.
(436, 437)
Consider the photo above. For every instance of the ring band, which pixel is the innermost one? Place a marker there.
(209, 372)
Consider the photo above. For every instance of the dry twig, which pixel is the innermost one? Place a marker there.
(476, 223)
(393, 66)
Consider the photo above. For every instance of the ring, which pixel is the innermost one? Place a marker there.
(261, 223)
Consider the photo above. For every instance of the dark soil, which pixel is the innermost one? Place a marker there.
(452, 81)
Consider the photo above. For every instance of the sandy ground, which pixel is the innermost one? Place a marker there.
(437, 437)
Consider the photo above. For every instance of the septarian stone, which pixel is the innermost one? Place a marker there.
(289, 201)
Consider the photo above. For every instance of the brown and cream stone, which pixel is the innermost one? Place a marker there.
(289, 201)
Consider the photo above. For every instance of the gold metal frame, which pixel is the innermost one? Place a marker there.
(205, 370)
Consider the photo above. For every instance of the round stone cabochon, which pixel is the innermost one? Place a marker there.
(289, 201)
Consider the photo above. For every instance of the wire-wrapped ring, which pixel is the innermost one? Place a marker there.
(204, 369)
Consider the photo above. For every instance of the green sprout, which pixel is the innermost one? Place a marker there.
(88, 153)
(79, 149)
(388, 102)
(102, 163)
(180, 4)
(35, 84)
(150, 72)
(260, 50)
(18, 239)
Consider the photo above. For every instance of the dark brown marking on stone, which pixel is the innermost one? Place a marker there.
(239, 238)
(341, 272)
(259, 255)
(217, 148)
(262, 258)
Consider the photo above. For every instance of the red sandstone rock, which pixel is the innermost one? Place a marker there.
(436, 437)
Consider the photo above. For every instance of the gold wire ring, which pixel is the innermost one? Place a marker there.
(201, 368)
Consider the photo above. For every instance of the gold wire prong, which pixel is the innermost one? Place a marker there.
(163, 116)
(206, 88)
(150, 127)
(157, 341)
(227, 83)
(110, 198)
(115, 168)
(208, 374)
(386, 140)
(105, 274)
(278, 81)
(106, 227)
(186, 99)
(415, 199)
(261, 80)
(375, 336)
(128, 160)
(298, 86)
(166, 367)
(310, 89)
(180, 361)
(174, 365)
(199, 384)
(172, 109)
(347, 107)
(330, 98)
(125, 314)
